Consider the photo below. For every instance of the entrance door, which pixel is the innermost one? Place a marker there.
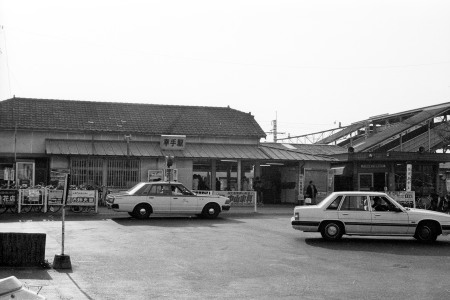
(379, 182)
(365, 181)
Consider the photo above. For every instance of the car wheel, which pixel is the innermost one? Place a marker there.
(426, 232)
(211, 211)
(141, 211)
(131, 214)
(332, 231)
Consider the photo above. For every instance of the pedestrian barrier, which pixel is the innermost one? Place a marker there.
(46, 200)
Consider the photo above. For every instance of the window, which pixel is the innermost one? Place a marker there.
(335, 204)
(176, 190)
(121, 173)
(144, 190)
(156, 190)
(354, 203)
(381, 204)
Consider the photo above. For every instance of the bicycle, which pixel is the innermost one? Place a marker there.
(423, 202)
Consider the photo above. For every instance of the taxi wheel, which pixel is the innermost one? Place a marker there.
(426, 232)
(332, 231)
(211, 211)
(142, 211)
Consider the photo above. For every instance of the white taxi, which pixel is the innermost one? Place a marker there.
(368, 213)
(161, 197)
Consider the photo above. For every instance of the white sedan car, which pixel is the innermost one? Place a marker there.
(160, 197)
(368, 213)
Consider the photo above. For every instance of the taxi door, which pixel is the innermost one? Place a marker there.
(181, 202)
(386, 220)
(355, 214)
(159, 198)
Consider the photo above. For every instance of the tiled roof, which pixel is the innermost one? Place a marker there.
(151, 119)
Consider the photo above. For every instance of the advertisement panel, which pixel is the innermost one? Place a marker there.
(55, 197)
(8, 197)
(239, 198)
(405, 198)
(81, 197)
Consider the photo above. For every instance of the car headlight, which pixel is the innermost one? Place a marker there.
(227, 201)
(296, 216)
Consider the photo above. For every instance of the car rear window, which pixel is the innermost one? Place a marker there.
(335, 204)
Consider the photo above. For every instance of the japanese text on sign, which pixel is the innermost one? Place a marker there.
(408, 177)
(173, 142)
(405, 198)
(81, 197)
(8, 197)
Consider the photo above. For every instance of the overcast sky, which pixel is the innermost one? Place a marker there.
(307, 63)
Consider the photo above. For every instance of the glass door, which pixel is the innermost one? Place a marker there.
(25, 174)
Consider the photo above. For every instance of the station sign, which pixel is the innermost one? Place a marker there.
(173, 142)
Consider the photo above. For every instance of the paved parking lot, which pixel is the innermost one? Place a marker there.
(240, 255)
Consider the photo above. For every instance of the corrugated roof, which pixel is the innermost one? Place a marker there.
(151, 149)
(221, 151)
(345, 131)
(300, 152)
(397, 128)
(148, 119)
(311, 149)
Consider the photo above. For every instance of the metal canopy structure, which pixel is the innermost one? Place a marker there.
(426, 128)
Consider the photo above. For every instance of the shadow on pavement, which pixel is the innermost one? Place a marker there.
(172, 221)
(25, 273)
(397, 246)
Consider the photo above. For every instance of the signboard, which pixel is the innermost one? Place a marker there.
(55, 197)
(405, 198)
(33, 197)
(8, 197)
(239, 198)
(58, 177)
(170, 174)
(173, 142)
(155, 175)
(408, 177)
(301, 186)
(81, 197)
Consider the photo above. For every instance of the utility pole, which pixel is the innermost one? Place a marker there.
(275, 128)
